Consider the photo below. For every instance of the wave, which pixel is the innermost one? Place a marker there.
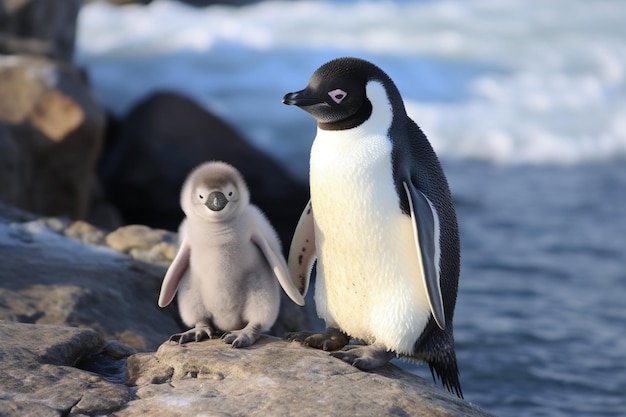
(507, 82)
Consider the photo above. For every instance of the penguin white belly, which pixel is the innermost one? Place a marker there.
(368, 281)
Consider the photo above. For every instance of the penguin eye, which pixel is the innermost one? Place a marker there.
(337, 95)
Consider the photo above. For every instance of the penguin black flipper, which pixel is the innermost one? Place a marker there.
(426, 232)
(302, 254)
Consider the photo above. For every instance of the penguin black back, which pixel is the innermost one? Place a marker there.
(413, 155)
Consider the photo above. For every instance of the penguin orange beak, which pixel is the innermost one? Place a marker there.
(301, 98)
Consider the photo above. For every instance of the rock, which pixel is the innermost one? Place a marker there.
(39, 377)
(55, 371)
(149, 153)
(85, 232)
(275, 377)
(138, 236)
(48, 278)
(153, 246)
(51, 128)
(52, 131)
(43, 28)
(78, 229)
(9, 213)
(10, 177)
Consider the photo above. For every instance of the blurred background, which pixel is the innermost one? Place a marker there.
(524, 101)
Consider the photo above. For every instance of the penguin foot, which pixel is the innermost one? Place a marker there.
(241, 338)
(333, 339)
(196, 334)
(366, 357)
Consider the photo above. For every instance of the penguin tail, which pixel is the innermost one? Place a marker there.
(447, 371)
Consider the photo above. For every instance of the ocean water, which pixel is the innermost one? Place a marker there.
(523, 100)
(541, 312)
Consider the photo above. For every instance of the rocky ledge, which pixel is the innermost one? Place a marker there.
(60, 371)
(82, 335)
(276, 378)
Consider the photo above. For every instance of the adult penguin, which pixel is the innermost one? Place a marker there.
(381, 226)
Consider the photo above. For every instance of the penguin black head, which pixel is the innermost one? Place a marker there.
(336, 94)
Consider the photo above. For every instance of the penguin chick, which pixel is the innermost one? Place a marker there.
(227, 263)
(381, 226)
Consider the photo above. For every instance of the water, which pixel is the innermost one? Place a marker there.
(541, 300)
(525, 102)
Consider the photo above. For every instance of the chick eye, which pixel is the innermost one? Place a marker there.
(230, 194)
(337, 95)
(201, 196)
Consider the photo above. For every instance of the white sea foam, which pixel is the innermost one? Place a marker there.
(512, 82)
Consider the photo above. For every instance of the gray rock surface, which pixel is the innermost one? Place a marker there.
(276, 378)
(48, 278)
(39, 377)
(44, 374)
